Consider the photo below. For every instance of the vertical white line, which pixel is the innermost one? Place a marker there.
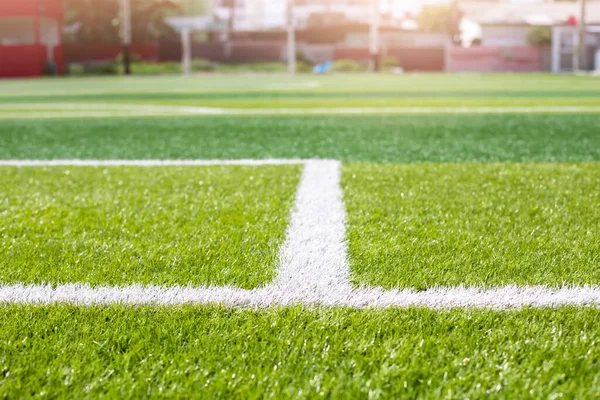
(314, 255)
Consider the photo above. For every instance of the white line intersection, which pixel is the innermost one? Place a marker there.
(314, 268)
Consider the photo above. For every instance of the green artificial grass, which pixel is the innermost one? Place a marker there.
(211, 352)
(427, 225)
(343, 90)
(303, 100)
(156, 225)
(410, 225)
(398, 139)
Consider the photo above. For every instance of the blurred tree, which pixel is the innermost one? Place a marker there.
(148, 17)
(442, 18)
(97, 19)
(99, 22)
(195, 7)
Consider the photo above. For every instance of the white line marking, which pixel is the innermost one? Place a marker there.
(57, 110)
(143, 163)
(314, 268)
(418, 110)
(116, 107)
(314, 255)
(440, 298)
(80, 114)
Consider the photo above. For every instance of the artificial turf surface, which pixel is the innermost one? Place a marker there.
(83, 223)
(345, 90)
(427, 225)
(220, 225)
(213, 352)
(396, 139)
(257, 101)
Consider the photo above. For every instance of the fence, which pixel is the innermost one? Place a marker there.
(246, 51)
(104, 52)
(410, 58)
(27, 60)
(495, 59)
(423, 58)
(225, 52)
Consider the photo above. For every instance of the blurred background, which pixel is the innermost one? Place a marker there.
(111, 37)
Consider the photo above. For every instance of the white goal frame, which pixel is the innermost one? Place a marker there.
(566, 43)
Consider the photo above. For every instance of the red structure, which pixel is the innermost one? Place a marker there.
(416, 58)
(106, 52)
(30, 37)
(495, 59)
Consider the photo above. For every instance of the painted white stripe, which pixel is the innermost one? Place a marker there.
(419, 110)
(440, 298)
(314, 255)
(78, 114)
(143, 163)
(116, 107)
(44, 110)
(313, 271)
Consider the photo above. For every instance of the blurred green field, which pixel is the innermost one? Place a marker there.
(311, 91)
(389, 138)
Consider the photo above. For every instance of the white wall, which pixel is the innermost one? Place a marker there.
(504, 35)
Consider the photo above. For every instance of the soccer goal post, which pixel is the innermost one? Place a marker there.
(573, 51)
(185, 26)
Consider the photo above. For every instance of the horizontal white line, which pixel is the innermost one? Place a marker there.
(144, 163)
(304, 280)
(420, 110)
(440, 298)
(46, 110)
(110, 107)
(78, 114)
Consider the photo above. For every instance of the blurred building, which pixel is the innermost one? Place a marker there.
(251, 15)
(529, 37)
(510, 24)
(257, 15)
(30, 37)
(326, 30)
